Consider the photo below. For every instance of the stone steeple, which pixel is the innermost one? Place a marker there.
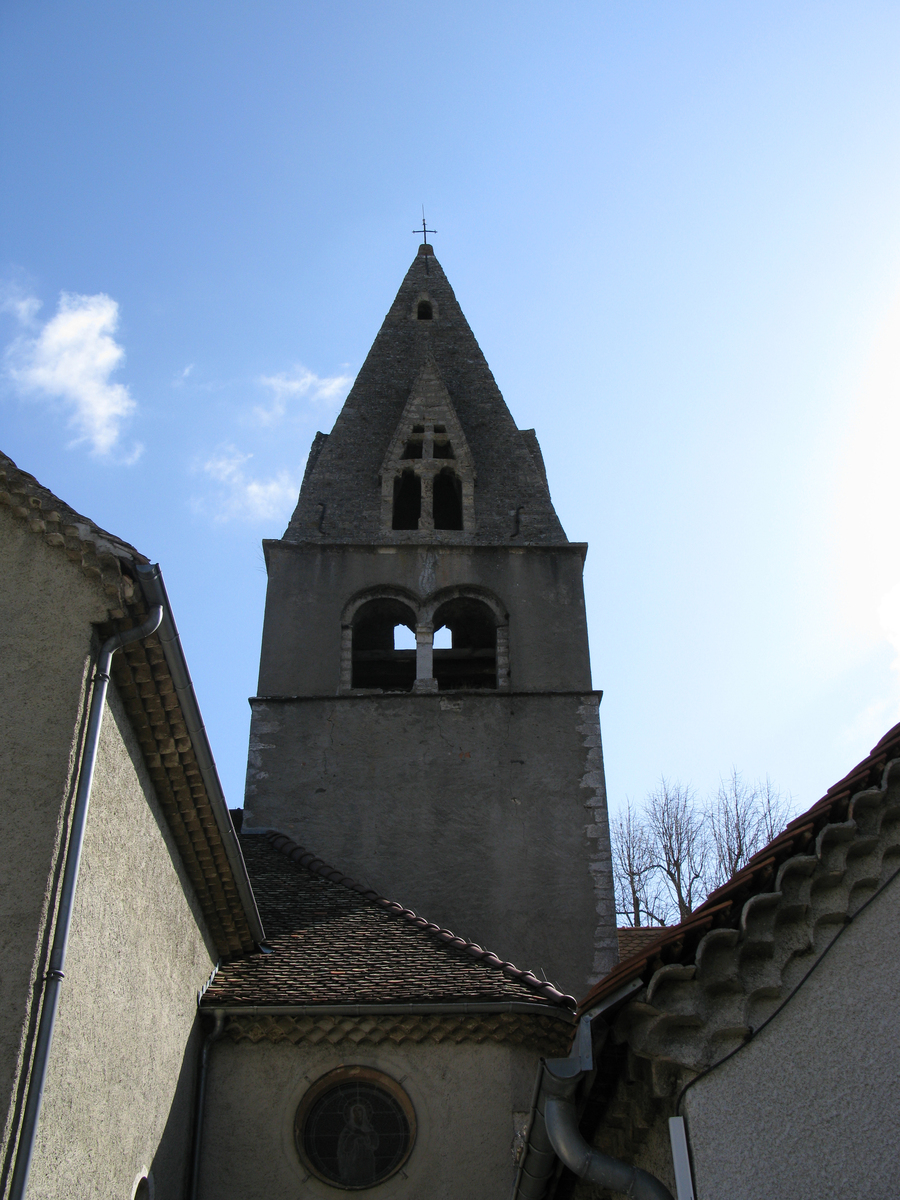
(460, 772)
(425, 343)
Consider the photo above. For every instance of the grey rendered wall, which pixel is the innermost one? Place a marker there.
(46, 610)
(119, 1089)
(470, 1101)
(117, 1096)
(309, 585)
(811, 1107)
(484, 813)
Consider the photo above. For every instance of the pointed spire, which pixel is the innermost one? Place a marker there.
(425, 355)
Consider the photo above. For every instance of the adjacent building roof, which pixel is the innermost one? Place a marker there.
(723, 908)
(152, 679)
(337, 943)
(340, 499)
(102, 556)
(703, 989)
(632, 940)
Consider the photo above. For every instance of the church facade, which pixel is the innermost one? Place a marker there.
(355, 991)
(395, 1042)
(365, 980)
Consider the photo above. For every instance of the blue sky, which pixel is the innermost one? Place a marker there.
(674, 229)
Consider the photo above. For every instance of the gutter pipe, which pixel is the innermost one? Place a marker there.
(561, 1120)
(54, 977)
(154, 590)
(213, 1036)
(554, 1132)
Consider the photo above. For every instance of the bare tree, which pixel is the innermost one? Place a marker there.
(638, 898)
(671, 852)
(679, 842)
(775, 810)
(743, 817)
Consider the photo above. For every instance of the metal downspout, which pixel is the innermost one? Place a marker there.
(554, 1133)
(213, 1036)
(561, 1120)
(54, 977)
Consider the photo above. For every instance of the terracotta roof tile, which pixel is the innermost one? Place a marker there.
(723, 907)
(633, 940)
(336, 942)
(101, 555)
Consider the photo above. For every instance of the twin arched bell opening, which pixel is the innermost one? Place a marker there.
(383, 659)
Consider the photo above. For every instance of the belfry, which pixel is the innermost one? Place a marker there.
(461, 772)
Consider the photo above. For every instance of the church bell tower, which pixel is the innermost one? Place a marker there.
(425, 720)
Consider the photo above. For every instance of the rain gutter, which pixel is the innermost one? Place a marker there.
(368, 1010)
(154, 590)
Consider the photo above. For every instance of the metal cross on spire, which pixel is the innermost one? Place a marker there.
(425, 229)
(425, 233)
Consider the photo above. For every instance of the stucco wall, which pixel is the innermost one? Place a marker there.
(119, 1087)
(117, 1100)
(811, 1107)
(309, 585)
(484, 813)
(46, 610)
(469, 1101)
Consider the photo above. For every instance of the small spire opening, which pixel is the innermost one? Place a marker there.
(448, 510)
(407, 501)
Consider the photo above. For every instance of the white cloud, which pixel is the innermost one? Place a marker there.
(242, 497)
(71, 358)
(300, 383)
(22, 306)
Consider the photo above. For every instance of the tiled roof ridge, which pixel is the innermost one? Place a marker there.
(726, 909)
(101, 555)
(712, 987)
(307, 859)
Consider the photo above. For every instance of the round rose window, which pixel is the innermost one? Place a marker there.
(355, 1127)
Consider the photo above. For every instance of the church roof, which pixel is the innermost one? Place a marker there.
(341, 495)
(337, 943)
(153, 681)
(633, 940)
